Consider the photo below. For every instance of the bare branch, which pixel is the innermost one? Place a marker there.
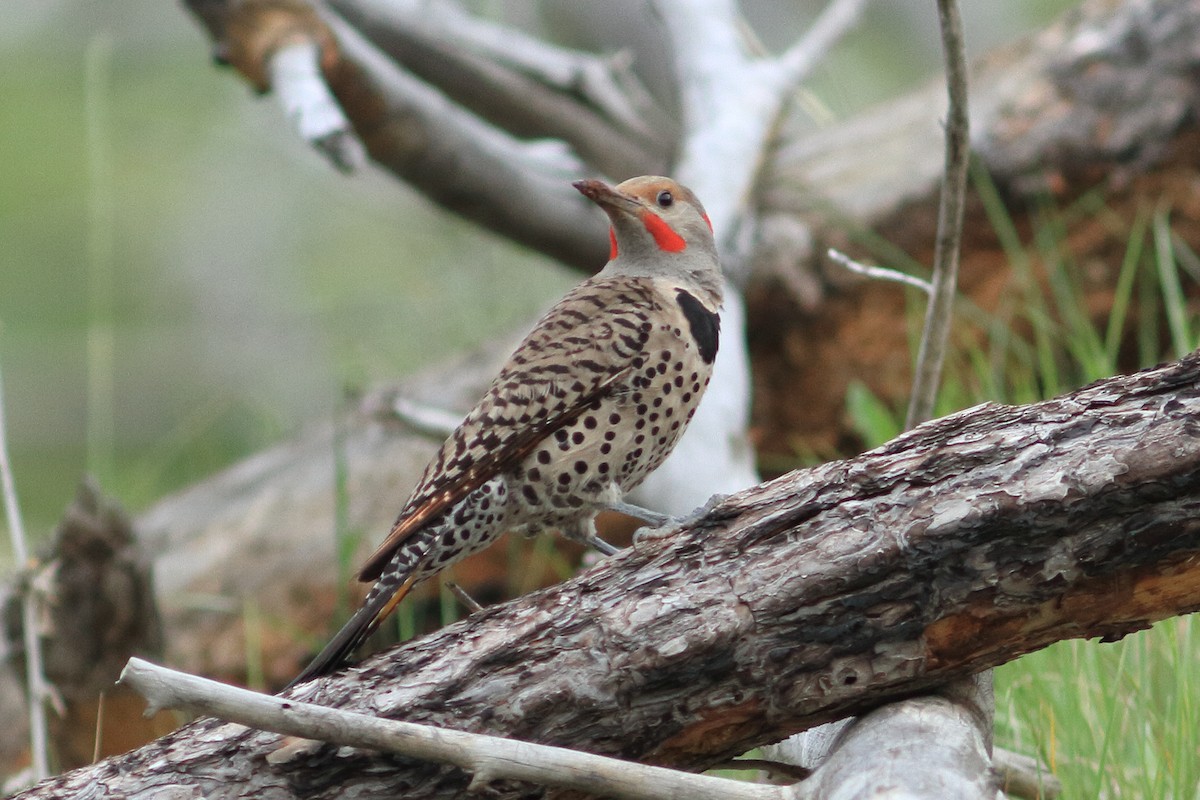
(880, 273)
(436, 423)
(520, 189)
(522, 84)
(487, 758)
(35, 675)
(928, 376)
(838, 18)
(729, 102)
(469, 603)
(295, 74)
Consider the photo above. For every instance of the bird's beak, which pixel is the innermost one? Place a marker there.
(607, 197)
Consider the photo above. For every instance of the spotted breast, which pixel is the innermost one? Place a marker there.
(590, 403)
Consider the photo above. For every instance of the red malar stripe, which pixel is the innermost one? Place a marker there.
(664, 237)
(612, 244)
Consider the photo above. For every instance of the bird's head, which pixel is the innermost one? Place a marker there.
(656, 223)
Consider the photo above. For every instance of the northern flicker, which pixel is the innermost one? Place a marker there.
(591, 402)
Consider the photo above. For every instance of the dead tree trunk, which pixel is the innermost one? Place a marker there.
(957, 547)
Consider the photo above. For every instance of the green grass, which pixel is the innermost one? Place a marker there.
(1111, 720)
(1117, 720)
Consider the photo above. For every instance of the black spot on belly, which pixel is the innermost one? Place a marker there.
(705, 324)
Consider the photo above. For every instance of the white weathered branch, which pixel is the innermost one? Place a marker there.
(879, 273)
(835, 21)
(525, 85)
(729, 101)
(487, 758)
(295, 72)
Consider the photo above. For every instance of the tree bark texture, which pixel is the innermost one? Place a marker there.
(960, 545)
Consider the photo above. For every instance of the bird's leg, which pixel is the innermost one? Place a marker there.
(674, 524)
(652, 518)
(585, 534)
(602, 546)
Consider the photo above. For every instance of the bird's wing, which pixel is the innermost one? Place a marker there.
(585, 348)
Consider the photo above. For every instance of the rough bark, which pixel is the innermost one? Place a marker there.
(960, 545)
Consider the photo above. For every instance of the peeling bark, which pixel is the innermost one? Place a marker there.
(964, 543)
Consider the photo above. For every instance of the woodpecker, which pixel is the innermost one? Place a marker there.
(590, 403)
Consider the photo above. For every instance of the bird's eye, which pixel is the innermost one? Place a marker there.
(665, 199)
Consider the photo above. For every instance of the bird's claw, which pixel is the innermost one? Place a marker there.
(672, 525)
(648, 534)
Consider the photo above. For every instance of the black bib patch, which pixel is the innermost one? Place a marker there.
(705, 325)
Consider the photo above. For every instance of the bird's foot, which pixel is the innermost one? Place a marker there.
(585, 534)
(672, 525)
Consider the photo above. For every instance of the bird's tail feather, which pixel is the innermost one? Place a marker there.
(375, 609)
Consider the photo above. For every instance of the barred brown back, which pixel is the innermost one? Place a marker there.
(591, 402)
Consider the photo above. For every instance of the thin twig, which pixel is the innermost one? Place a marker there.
(1025, 776)
(779, 769)
(879, 273)
(35, 677)
(931, 355)
(426, 419)
(488, 758)
(469, 602)
(834, 22)
(98, 740)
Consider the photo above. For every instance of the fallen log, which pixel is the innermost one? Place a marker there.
(958, 546)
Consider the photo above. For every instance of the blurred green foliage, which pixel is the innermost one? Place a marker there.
(181, 281)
